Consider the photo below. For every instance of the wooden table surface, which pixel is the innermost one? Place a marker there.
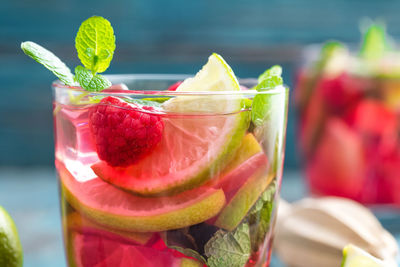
(31, 197)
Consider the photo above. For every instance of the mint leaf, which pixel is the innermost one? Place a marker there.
(275, 70)
(261, 106)
(49, 60)
(260, 217)
(190, 253)
(374, 42)
(95, 43)
(90, 82)
(143, 102)
(229, 248)
(157, 99)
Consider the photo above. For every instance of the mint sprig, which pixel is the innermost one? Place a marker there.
(229, 248)
(260, 216)
(95, 44)
(374, 43)
(261, 104)
(49, 60)
(90, 82)
(190, 253)
(144, 102)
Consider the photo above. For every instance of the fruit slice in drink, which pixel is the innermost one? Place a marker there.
(76, 222)
(240, 204)
(92, 250)
(111, 207)
(193, 147)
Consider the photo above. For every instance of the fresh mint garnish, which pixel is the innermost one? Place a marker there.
(89, 81)
(143, 102)
(229, 248)
(95, 43)
(274, 71)
(190, 253)
(374, 42)
(260, 217)
(157, 99)
(261, 103)
(49, 60)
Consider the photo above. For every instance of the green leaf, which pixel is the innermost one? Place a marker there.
(95, 43)
(275, 70)
(190, 253)
(374, 42)
(229, 248)
(49, 60)
(260, 109)
(157, 99)
(90, 82)
(260, 217)
(143, 102)
(262, 102)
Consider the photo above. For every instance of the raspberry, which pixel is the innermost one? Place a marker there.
(174, 86)
(124, 132)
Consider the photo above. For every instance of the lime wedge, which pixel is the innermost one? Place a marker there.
(215, 76)
(10, 246)
(356, 257)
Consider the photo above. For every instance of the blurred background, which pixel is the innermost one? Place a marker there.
(153, 36)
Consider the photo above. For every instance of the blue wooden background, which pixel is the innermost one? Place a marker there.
(162, 36)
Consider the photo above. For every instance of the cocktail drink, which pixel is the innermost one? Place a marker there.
(166, 170)
(142, 184)
(349, 120)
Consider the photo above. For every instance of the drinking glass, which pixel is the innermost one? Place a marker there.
(141, 185)
(349, 128)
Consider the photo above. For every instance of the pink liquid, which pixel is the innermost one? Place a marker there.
(349, 137)
(93, 239)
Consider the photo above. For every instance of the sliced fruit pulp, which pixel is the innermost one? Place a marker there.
(232, 181)
(109, 206)
(192, 150)
(240, 204)
(76, 222)
(93, 250)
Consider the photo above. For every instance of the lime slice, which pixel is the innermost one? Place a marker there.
(108, 206)
(193, 148)
(78, 223)
(356, 257)
(10, 246)
(215, 76)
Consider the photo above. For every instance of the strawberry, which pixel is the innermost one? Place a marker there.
(338, 165)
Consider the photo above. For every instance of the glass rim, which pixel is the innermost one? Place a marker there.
(57, 84)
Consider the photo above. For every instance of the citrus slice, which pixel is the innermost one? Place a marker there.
(76, 222)
(240, 204)
(93, 250)
(215, 76)
(109, 206)
(356, 257)
(194, 147)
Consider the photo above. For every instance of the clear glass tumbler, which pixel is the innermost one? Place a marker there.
(349, 130)
(141, 185)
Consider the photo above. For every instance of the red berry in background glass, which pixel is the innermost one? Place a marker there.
(372, 118)
(338, 165)
(174, 86)
(123, 132)
(340, 92)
